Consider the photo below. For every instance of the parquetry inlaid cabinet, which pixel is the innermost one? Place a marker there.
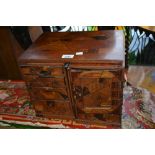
(76, 75)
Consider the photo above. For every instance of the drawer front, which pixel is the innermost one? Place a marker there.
(46, 93)
(42, 71)
(52, 108)
(35, 81)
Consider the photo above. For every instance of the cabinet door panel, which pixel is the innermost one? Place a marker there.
(96, 91)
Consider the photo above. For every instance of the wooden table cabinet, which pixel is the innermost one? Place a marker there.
(76, 75)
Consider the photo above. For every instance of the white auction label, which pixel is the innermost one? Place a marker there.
(68, 56)
(79, 53)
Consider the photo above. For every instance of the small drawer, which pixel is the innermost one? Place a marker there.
(42, 71)
(53, 83)
(30, 78)
(35, 81)
(47, 93)
(52, 108)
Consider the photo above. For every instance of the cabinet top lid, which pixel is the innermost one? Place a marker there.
(93, 46)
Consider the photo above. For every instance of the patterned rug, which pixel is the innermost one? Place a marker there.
(16, 109)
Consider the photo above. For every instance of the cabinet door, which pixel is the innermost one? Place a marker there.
(97, 93)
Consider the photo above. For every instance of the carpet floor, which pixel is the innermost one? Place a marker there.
(16, 110)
